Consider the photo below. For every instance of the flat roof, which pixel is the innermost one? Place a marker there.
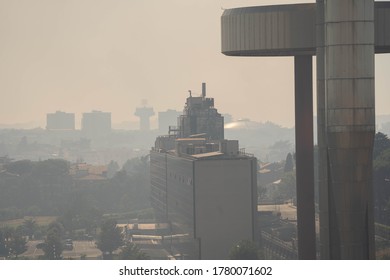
(190, 139)
(205, 155)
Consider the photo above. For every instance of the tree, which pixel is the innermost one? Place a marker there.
(19, 167)
(382, 186)
(381, 143)
(244, 250)
(12, 242)
(287, 186)
(132, 252)
(17, 244)
(285, 189)
(109, 239)
(138, 165)
(29, 227)
(112, 168)
(3, 246)
(53, 242)
(289, 165)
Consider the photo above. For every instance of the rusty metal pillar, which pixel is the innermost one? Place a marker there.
(304, 156)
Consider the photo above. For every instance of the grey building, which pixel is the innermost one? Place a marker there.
(167, 119)
(144, 113)
(60, 121)
(206, 189)
(200, 116)
(96, 123)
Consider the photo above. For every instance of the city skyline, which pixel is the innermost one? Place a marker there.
(78, 56)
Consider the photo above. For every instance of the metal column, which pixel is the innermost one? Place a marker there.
(350, 127)
(321, 133)
(304, 156)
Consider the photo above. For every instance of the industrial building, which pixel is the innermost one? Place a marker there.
(60, 121)
(96, 123)
(203, 186)
(200, 116)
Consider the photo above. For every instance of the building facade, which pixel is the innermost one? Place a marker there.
(167, 118)
(200, 116)
(60, 121)
(144, 114)
(96, 123)
(205, 189)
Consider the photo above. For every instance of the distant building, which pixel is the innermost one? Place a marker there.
(144, 113)
(167, 119)
(60, 121)
(96, 123)
(203, 186)
(88, 172)
(200, 116)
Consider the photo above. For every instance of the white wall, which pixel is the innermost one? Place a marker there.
(225, 201)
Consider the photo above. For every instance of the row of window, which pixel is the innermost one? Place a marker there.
(180, 178)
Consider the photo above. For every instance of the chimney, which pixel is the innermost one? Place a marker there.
(203, 90)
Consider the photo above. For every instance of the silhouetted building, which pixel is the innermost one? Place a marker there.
(200, 116)
(166, 119)
(96, 123)
(144, 114)
(60, 121)
(206, 189)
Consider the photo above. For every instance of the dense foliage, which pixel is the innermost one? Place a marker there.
(12, 242)
(382, 178)
(244, 250)
(46, 188)
(109, 239)
(53, 246)
(131, 251)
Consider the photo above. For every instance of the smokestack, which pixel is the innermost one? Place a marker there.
(203, 90)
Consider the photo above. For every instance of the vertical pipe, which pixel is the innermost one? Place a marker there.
(203, 90)
(321, 134)
(304, 156)
(350, 126)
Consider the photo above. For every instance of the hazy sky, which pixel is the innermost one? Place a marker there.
(109, 55)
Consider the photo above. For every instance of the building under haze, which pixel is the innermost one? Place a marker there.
(204, 186)
(200, 116)
(165, 119)
(96, 123)
(60, 121)
(144, 113)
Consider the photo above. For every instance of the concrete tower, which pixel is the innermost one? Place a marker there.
(346, 205)
(144, 113)
(344, 35)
